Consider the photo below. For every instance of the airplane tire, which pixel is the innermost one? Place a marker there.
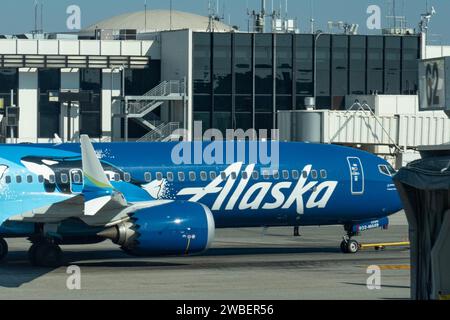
(344, 246)
(3, 249)
(352, 246)
(32, 254)
(45, 255)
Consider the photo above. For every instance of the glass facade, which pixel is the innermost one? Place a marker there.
(90, 112)
(49, 112)
(140, 81)
(240, 80)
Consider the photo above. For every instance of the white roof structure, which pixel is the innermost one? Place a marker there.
(158, 20)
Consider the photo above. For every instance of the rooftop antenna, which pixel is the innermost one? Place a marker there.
(171, 15)
(259, 18)
(286, 9)
(35, 17)
(213, 15)
(425, 19)
(312, 17)
(42, 17)
(145, 15)
(394, 13)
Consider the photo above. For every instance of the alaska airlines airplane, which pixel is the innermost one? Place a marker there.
(136, 194)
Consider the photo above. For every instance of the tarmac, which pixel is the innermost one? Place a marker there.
(242, 264)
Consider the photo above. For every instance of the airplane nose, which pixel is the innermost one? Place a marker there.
(395, 202)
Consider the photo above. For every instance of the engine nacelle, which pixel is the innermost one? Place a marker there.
(175, 228)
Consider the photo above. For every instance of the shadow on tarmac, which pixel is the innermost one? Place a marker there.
(16, 270)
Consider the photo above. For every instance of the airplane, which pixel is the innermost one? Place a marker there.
(137, 196)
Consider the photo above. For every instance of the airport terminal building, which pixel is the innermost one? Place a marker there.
(140, 76)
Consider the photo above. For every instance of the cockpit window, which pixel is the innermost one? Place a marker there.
(387, 170)
(391, 170)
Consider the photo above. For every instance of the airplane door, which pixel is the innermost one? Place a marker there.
(356, 175)
(76, 181)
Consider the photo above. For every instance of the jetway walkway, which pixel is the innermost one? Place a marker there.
(361, 127)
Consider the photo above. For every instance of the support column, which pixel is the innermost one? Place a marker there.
(28, 103)
(70, 81)
(112, 84)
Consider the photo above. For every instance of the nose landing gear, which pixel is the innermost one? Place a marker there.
(349, 245)
(3, 249)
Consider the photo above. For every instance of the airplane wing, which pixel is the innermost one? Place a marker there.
(98, 204)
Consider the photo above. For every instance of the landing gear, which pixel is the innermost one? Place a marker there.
(45, 254)
(349, 245)
(3, 249)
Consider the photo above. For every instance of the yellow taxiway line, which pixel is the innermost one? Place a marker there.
(385, 244)
(395, 267)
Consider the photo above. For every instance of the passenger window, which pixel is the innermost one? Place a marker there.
(76, 178)
(64, 178)
(192, 176)
(266, 175)
(148, 177)
(314, 174)
(116, 177)
(52, 179)
(203, 176)
(323, 174)
(245, 175)
(295, 174)
(181, 176)
(255, 175)
(127, 177)
(305, 174)
(30, 179)
(233, 176)
(159, 176)
(285, 175)
(41, 179)
(18, 179)
(212, 175)
(276, 175)
(8, 179)
(170, 176)
(223, 176)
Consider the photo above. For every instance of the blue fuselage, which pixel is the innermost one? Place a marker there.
(312, 184)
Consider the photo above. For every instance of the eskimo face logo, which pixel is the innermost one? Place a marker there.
(257, 196)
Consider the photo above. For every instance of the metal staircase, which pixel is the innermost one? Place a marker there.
(148, 102)
(142, 109)
(162, 133)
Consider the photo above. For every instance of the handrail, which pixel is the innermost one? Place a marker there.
(161, 132)
(163, 89)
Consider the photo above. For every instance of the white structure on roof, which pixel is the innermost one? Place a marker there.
(158, 20)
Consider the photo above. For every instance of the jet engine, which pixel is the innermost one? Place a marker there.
(175, 228)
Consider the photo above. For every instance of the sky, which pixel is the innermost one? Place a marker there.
(18, 15)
